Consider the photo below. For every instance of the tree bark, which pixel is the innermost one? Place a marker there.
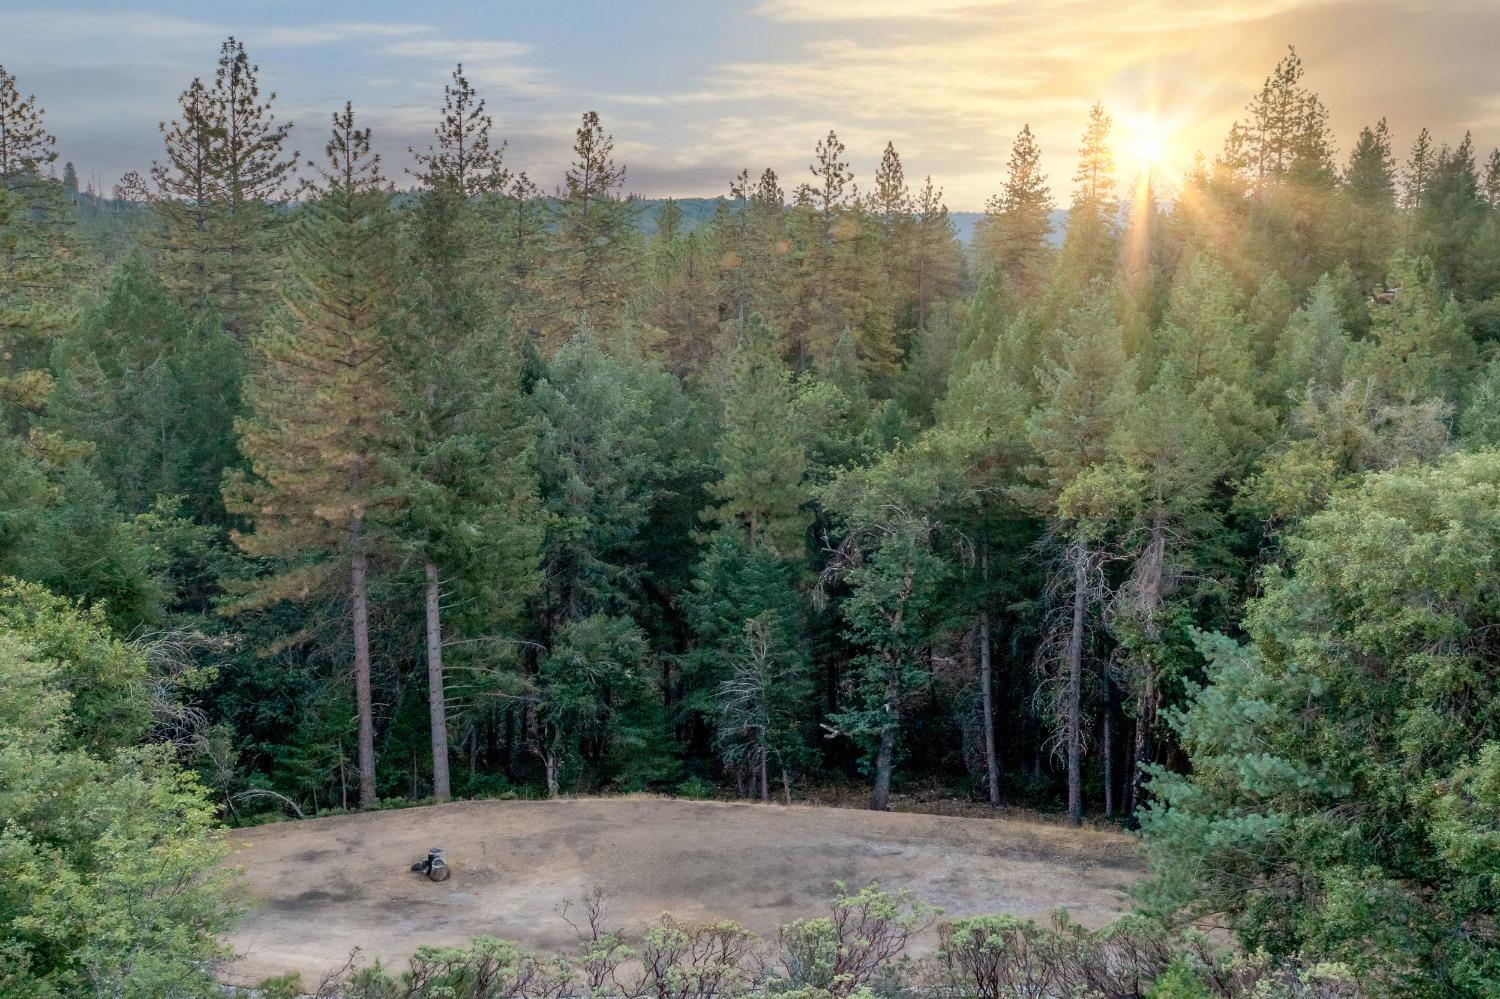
(765, 781)
(362, 699)
(437, 708)
(986, 685)
(1075, 689)
(885, 756)
(1145, 720)
(1109, 752)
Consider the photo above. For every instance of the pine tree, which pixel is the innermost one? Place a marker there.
(38, 252)
(1013, 235)
(1418, 171)
(220, 193)
(320, 438)
(1095, 176)
(937, 257)
(893, 210)
(187, 201)
(1371, 174)
(462, 155)
(826, 231)
(1491, 183)
(1370, 182)
(1287, 137)
(1086, 385)
(595, 235)
(255, 172)
(25, 144)
(1089, 248)
(473, 518)
(518, 221)
(761, 457)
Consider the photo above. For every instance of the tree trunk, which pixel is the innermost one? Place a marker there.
(550, 764)
(986, 685)
(1109, 752)
(786, 784)
(1075, 689)
(362, 697)
(437, 709)
(885, 757)
(765, 782)
(1145, 719)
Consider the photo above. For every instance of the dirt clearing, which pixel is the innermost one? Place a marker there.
(322, 887)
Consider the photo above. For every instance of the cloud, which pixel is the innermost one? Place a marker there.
(494, 63)
(335, 31)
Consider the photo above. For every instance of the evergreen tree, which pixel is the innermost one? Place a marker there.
(826, 217)
(1334, 787)
(937, 257)
(761, 455)
(1086, 385)
(320, 437)
(472, 514)
(595, 235)
(1013, 236)
(154, 392)
(1418, 347)
(1418, 171)
(220, 192)
(25, 144)
(37, 253)
(462, 156)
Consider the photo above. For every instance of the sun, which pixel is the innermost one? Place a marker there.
(1144, 143)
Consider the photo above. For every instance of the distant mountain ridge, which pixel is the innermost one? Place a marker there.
(700, 211)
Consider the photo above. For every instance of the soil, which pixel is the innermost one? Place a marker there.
(321, 888)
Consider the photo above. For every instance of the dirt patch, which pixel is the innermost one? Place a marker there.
(322, 887)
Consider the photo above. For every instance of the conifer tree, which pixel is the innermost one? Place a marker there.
(25, 144)
(518, 221)
(826, 234)
(1088, 250)
(38, 252)
(1418, 171)
(472, 514)
(320, 437)
(937, 257)
(219, 193)
(594, 235)
(1086, 385)
(1370, 182)
(1491, 183)
(892, 207)
(187, 200)
(761, 457)
(1013, 235)
(1287, 136)
(462, 154)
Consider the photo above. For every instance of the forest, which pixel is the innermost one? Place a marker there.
(327, 485)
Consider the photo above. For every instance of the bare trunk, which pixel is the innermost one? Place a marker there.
(885, 756)
(1145, 718)
(362, 697)
(786, 784)
(765, 783)
(986, 684)
(1075, 690)
(549, 763)
(1109, 753)
(437, 710)
(880, 798)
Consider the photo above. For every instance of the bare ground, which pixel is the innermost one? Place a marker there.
(322, 887)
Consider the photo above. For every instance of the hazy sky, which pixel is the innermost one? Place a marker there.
(694, 91)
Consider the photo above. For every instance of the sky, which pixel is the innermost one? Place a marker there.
(695, 91)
